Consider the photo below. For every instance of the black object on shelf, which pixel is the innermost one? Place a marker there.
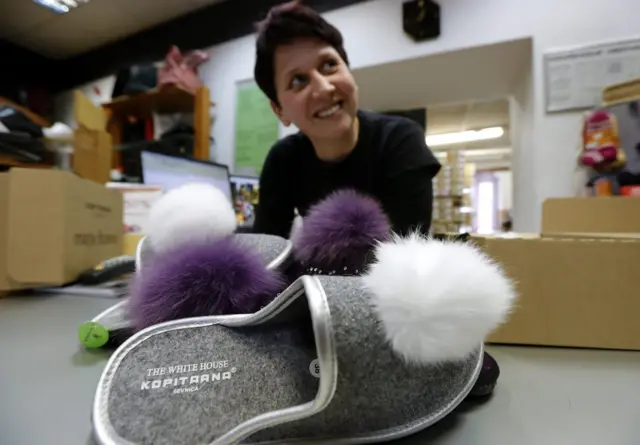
(16, 122)
(174, 145)
(108, 270)
(135, 79)
(23, 148)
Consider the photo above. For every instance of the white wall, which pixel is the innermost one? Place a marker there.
(545, 164)
(526, 211)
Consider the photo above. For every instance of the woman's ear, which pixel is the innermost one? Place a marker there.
(278, 112)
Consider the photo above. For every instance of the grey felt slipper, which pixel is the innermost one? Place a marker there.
(331, 360)
(274, 251)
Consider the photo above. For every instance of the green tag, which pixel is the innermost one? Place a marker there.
(92, 334)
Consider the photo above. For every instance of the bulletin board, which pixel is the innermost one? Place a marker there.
(575, 78)
(256, 128)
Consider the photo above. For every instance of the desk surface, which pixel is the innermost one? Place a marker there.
(545, 396)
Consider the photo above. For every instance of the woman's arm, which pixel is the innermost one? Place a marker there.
(410, 167)
(274, 213)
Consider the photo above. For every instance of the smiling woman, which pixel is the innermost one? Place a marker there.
(303, 68)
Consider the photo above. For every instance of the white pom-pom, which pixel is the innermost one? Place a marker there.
(194, 212)
(437, 301)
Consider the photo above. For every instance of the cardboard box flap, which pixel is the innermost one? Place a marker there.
(33, 254)
(605, 214)
(92, 145)
(595, 236)
(92, 154)
(87, 114)
(480, 239)
(633, 237)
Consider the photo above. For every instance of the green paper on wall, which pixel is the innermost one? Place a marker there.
(256, 129)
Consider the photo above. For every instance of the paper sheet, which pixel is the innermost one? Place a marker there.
(575, 78)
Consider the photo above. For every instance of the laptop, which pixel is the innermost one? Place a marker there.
(169, 172)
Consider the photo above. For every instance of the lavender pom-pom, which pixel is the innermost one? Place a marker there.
(216, 278)
(339, 233)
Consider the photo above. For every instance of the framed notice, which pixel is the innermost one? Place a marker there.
(257, 129)
(574, 78)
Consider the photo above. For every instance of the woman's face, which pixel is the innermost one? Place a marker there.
(316, 90)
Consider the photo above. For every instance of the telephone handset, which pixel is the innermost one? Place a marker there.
(108, 270)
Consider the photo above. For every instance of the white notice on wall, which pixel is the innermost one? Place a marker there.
(137, 202)
(575, 78)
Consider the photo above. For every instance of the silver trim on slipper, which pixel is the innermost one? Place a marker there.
(326, 350)
(105, 433)
(284, 256)
(117, 309)
(139, 249)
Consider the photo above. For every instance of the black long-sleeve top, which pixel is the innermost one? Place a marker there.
(390, 162)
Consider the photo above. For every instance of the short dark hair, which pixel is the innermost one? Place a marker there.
(284, 24)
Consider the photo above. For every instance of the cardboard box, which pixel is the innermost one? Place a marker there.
(92, 144)
(53, 226)
(575, 290)
(602, 214)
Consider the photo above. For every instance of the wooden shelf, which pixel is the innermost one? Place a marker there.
(168, 99)
(161, 100)
(28, 113)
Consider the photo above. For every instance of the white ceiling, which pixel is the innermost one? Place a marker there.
(462, 90)
(472, 115)
(94, 24)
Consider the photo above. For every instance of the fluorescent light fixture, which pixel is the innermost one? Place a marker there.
(464, 136)
(60, 6)
(488, 152)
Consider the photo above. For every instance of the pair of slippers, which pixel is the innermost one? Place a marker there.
(344, 334)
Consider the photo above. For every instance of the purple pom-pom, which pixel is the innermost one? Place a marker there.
(338, 234)
(193, 280)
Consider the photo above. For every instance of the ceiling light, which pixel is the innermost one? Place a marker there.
(464, 136)
(492, 152)
(60, 6)
(474, 153)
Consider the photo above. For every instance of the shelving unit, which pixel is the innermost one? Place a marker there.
(453, 206)
(30, 114)
(163, 100)
(8, 161)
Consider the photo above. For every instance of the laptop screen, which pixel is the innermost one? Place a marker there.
(170, 172)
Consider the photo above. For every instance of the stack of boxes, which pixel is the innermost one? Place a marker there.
(452, 187)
